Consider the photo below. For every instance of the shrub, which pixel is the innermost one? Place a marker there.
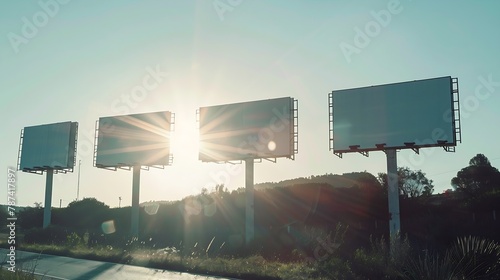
(476, 258)
(429, 267)
(49, 235)
(383, 260)
(74, 240)
(469, 258)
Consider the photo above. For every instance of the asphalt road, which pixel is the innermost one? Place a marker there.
(62, 268)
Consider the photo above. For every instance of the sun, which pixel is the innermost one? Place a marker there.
(174, 180)
(185, 142)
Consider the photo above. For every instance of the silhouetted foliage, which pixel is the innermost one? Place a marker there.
(88, 213)
(339, 181)
(3, 214)
(412, 183)
(49, 235)
(212, 223)
(30, 217)
(478, 178)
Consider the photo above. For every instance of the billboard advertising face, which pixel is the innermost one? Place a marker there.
(140, 139)
(257, 129)
(394, 114)
(49, 146)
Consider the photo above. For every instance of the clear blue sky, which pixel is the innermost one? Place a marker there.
(80, 60)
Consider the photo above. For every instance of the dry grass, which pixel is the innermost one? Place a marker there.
(253, 267)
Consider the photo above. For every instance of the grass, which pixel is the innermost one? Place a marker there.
(22, 272)
(18, 275)
(252, 267)
(468, 258)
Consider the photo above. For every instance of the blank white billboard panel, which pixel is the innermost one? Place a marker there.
(257, 129)
(139, 139)
(396, 115)
(49, 146)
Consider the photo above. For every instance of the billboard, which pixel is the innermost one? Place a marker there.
(48, 146)
(256, 129)
(133, 140)
(401, 115)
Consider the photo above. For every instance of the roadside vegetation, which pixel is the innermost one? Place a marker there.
(320, 227)
(22, 272)
(18, 275)
(466, 258)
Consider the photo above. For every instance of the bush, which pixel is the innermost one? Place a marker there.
(476, 258)
(49, 235)
(383, 260)
(468, 258)
(74, 240)
(430, 266)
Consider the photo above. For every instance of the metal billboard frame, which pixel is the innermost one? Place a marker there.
(249, 169)
(391, 154)
(50, 171)
(294, 136)
(136, 174)
(126, 166)
(56, 169)
(448, 147)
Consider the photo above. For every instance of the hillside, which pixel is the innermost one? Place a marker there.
(335, 180)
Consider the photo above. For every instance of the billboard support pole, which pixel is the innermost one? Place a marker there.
(393, 193)
(249, 212)
(136, 179)
(78, 185)
(48, 198)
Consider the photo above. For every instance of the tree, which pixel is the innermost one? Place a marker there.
(478, 178)
(3, 214)
(87, 213)
(411, 183)
(30, 217)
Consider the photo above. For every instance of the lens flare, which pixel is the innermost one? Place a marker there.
(108, 227)
(151, 209)
(271, 145)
